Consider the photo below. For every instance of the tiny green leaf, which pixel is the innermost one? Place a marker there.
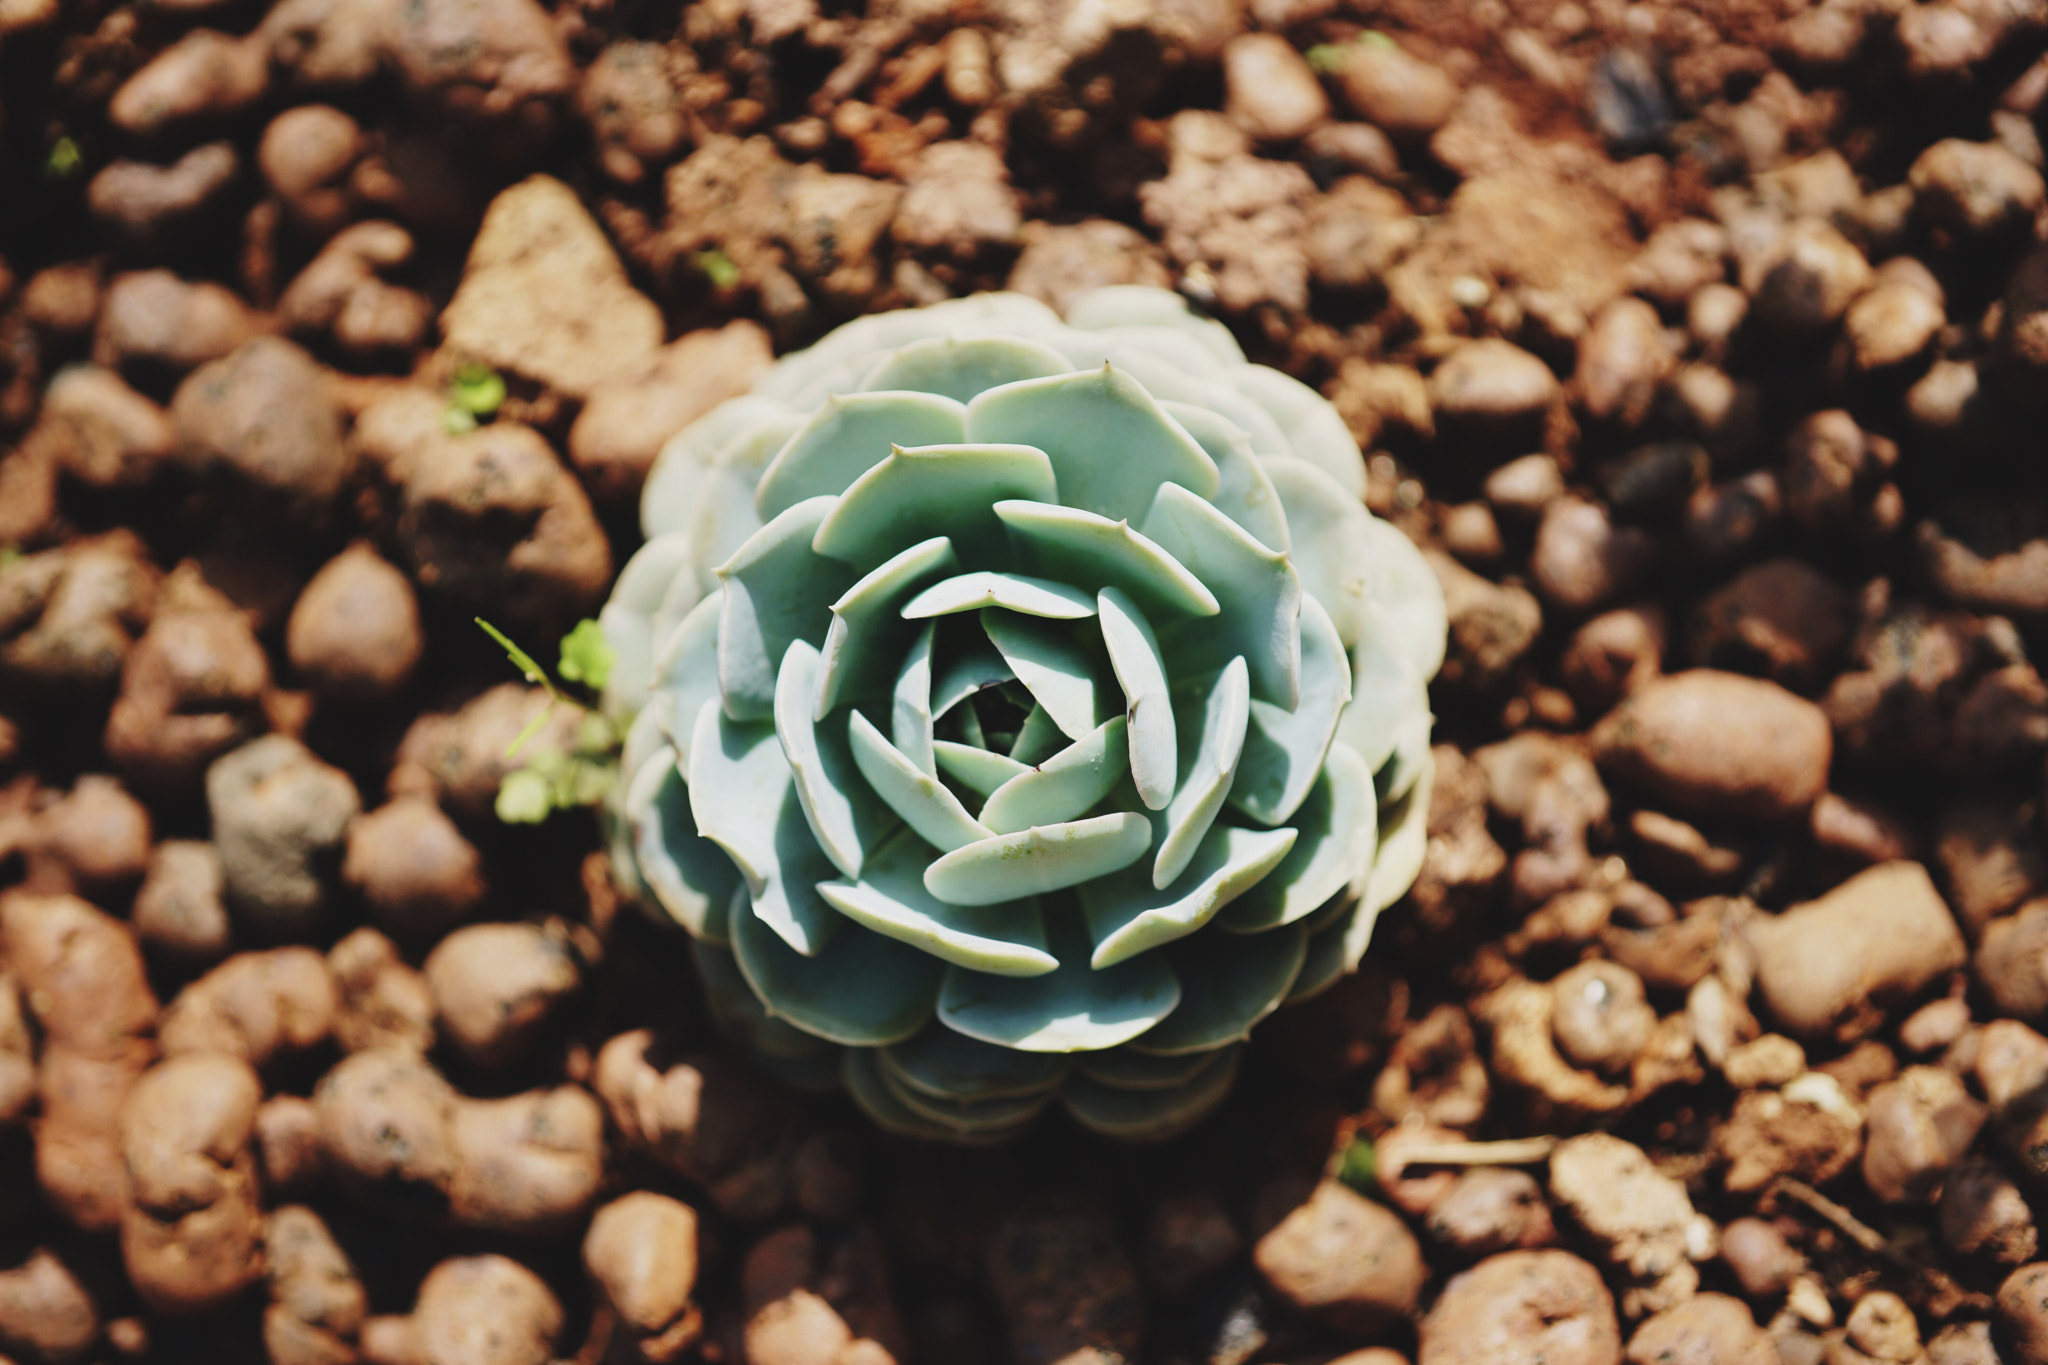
(477, 390)
(587, 657)
(1358, 1167)
(717, 267)
(456, 419)
(525, 797)
(63, 160)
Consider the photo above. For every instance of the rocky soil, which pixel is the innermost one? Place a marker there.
(1702, 344)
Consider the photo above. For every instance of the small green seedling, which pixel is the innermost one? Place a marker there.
(1358, 1167)
(717, 267)
(1326, 58)
(552, 779)
(476, 392)
(63, 160)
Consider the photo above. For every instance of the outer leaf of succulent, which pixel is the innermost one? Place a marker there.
(1020, 710)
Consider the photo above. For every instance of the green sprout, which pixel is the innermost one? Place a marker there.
(64, 159)
(553, 779)
(476, 392)
(717, 267)
(1326, 58)
(587, 657)
(1358, 1166)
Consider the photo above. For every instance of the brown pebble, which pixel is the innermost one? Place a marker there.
(354, 633)
(1399, 93)
(1582, 560)
(1919, 1125)
(1343, 1259)
(412, 866)
(1269, 90)
(1719, 744)
(1712, 1329)
(1829, 967)
(1490, 1209)
(1763, 1261)
(1521, 1306)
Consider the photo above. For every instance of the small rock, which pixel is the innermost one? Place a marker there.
(1919, 1125)
(1521, 1306)
(1491, 1209)
(1764, 1263)
(1723, 520)
(1491, 383)
(1772, 1133)
(354, 632)
(256, 1007)
(496, 986)
(305, 155)
(144, 204)
(2019, 1324)
(1962, 1343)
(264, 412)
(1601, 1018)
(1670, 850)
(1550, 787)
(151, 319)
(1983, 1213)
(459, 759)
(204, 73)
(180, 912)
(1712, 1329)
(1832, 467)
(1623, 358)
(1627, 102)
(634, 111)
(957, 198)
(1268, 88)
(1713, 315)
(1471, 533)
(1772, 1060)
(1857, 833)
(279, 818)
(1403, 95)
(1897, 320)
(1522, 488)
(383, 1002)
(1935, 1026)
(1343, 1259)
(1654, 482)
(46, 1315)
(1976, 189)
(1883, 1327)
(106, 434)
(289, 1149)
(1679, 260)
(1641, 1216)
(629, 417)
(1065, 1285)
(2012, 962)
(641, 1250)
(1613, 655)
(544, 295)
(1719, 744)
(488, 517)
(1807, 280)
(1060, 262)
(1491, 626)
(1355, 233)
(1829, 967)
(1582, 560)
(416, 874)
(1333, 150)
(1991, 858)
(1781, 618)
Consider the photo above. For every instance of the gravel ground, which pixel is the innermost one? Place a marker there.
(1702, 346)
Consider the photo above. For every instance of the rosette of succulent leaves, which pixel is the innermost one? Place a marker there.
(1019, 710)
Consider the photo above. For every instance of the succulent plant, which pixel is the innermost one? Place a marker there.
(1020, 709)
